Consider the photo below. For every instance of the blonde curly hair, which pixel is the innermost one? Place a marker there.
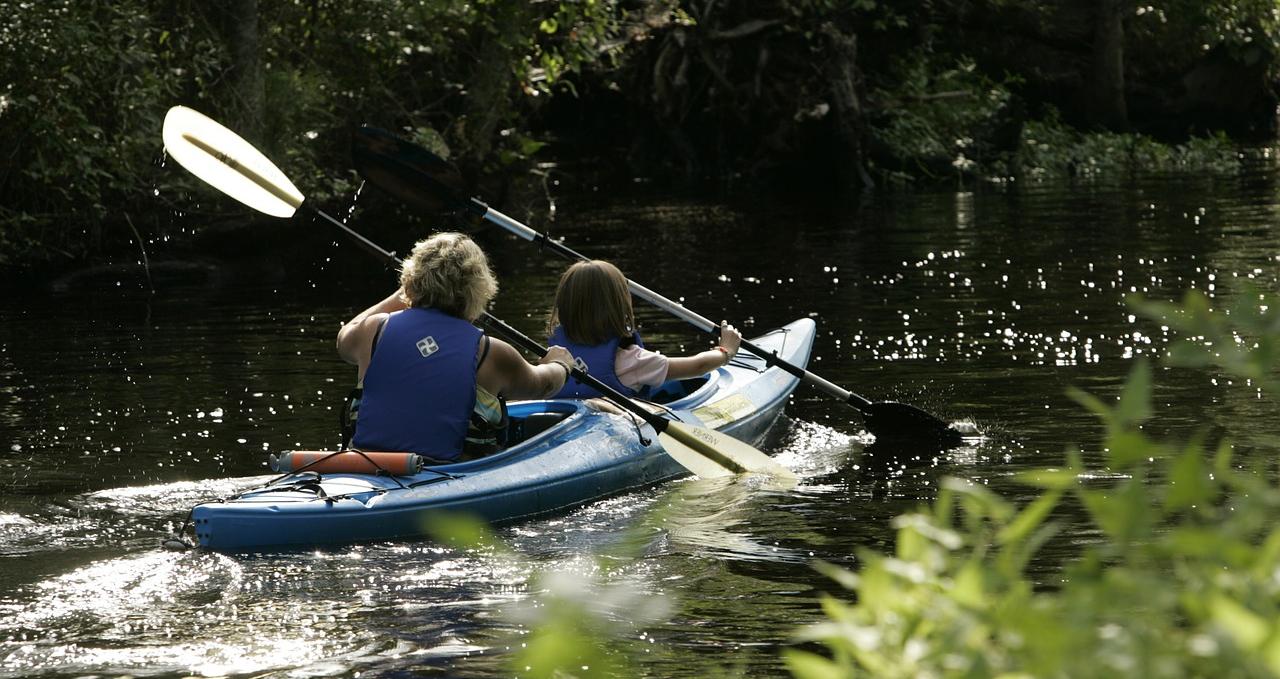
(449, 272)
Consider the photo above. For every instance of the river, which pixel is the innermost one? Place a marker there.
(120, 408)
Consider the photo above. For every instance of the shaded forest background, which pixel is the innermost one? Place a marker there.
(825, 94)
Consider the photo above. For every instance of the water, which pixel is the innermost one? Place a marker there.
(119, 410)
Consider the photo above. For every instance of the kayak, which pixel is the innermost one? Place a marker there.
(565, 454)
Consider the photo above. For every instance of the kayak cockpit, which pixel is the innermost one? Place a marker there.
(528, 420)
(672, 391)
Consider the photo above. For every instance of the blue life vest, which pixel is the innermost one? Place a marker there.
(420, 386)
(597, 360)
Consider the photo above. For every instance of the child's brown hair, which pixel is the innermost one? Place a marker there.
(593, 303)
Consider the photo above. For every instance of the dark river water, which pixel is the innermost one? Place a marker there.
(119, 409)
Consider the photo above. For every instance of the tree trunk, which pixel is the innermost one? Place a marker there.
(239, 23)
(850, 122)
(491, 88)
(1108, 108)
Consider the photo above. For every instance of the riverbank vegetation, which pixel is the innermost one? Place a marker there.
(1176, 576)
(839, 95)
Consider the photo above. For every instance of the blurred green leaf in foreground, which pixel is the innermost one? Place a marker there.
(1184, 579)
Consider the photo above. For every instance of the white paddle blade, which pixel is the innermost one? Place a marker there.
(711, 454)
(228, 163)
(700, 465)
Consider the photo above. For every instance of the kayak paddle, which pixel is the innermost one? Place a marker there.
(422, 179)
(232, 165)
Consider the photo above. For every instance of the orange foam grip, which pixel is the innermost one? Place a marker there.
(399, 464)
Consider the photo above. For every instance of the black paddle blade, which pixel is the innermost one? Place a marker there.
(406, 171)
(902, 422)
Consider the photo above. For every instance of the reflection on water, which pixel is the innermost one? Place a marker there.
(129, 408)
(198, 613)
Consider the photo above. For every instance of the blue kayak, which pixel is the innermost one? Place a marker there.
(567, 454)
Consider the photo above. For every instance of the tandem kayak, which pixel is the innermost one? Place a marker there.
(566, 453)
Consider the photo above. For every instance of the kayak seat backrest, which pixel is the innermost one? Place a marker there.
(521, 428)
(674, 390)
(536, 423)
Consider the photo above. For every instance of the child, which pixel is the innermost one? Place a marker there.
(593, 319)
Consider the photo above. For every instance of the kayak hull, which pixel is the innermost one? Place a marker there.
(586, 455)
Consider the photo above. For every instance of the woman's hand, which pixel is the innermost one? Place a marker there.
(560, 356)
(356, 336)
(508, 374)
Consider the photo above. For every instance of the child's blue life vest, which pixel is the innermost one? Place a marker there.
(597, 360)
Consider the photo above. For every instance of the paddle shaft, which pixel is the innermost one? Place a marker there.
(509, 333)
(674, 308)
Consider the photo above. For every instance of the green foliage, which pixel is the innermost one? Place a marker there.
(577, 35)
(80, 114)
(936, 119)
(1245, 30)
(467, 75)
(914, 90)
(1180, 582)
(1244, 27)
(84, 88)
(1244, 338)
(1049, 150)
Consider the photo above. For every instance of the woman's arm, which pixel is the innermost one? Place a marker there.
(506, 372)
(356, 336)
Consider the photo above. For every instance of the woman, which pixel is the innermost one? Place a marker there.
(593, 318)
(425, 372)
